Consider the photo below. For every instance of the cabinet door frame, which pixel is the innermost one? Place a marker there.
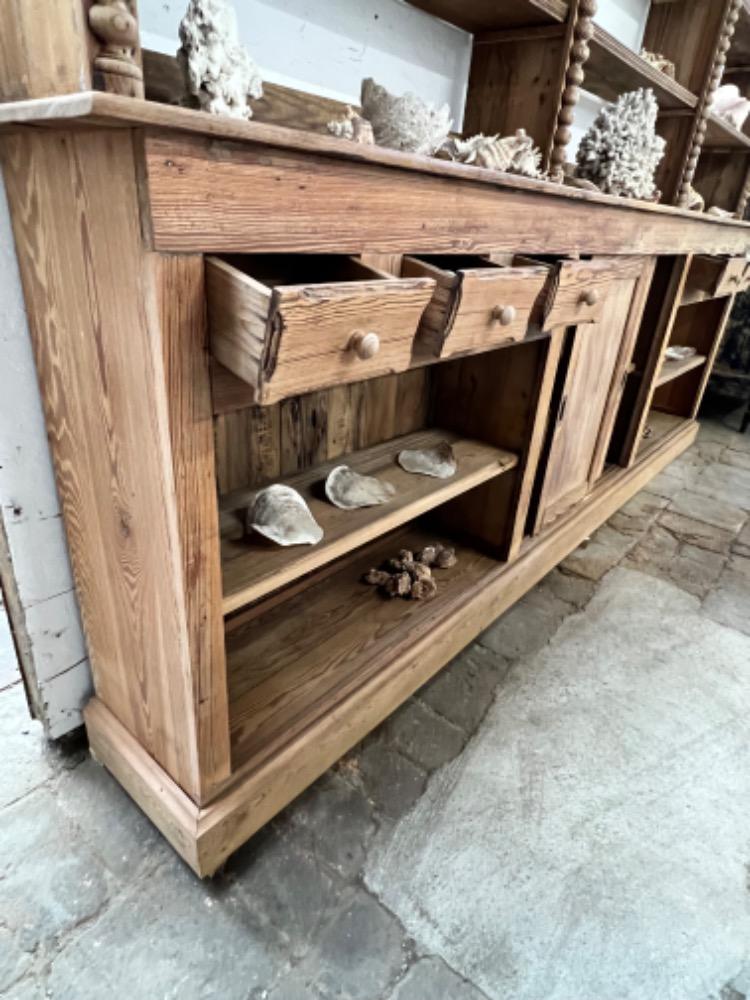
(625, 297)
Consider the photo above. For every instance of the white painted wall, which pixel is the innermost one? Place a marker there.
(34, 558)
(328, 46)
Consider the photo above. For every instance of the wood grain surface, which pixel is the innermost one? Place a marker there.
(95, 329)
(180, 295)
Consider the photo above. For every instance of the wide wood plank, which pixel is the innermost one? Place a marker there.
(254, 567)
(96, 333)
(180, 295)
(205, 196)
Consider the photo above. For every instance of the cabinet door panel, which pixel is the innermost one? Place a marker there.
(599, 355)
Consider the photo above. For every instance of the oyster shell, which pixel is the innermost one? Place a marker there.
(439, 461)
(281, 514)
(348, 489)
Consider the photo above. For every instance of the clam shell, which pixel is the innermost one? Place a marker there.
(281, 514)
(348, 489)
(439, 461)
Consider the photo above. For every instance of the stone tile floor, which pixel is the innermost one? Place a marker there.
(562, 814)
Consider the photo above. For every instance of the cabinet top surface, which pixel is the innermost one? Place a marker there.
(97, 109)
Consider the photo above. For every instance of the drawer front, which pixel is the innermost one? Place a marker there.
(294, 338)
(735, 277)
(322, 335)
(580, 287)
(493, 307)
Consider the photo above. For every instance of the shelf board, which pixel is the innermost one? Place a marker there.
(254, 567)
(672, 369)
(720, 135)
(613, 68)
(663, 425)
(294, 661)
(489, 15)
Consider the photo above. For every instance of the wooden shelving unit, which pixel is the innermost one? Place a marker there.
(229, 674)
(253, 567)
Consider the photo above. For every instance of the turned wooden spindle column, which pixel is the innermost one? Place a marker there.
(114, 23)
(704, 106)
(582, 26)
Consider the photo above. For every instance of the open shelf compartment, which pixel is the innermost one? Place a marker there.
(254, 567)
(291, 661)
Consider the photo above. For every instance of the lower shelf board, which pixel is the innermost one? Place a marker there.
(672, 369)
(253, 567)
(661, 425)
(290, 664)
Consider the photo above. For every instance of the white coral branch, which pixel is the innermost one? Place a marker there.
(218, 69)
(621, 150)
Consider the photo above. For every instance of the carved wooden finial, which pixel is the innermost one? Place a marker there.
(583, 29)
(115, 25)
(701, 120)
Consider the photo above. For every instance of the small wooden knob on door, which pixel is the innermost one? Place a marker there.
(590, 298)
(504, 315)
(364, 345)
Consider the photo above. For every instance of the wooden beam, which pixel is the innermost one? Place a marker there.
(219, 196)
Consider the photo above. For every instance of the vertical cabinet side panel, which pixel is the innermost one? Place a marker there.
(74, 205)
(181, 303)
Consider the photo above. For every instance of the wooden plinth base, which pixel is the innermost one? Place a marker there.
(206, 835)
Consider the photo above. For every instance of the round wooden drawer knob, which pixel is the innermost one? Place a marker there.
(364, 345)
(590, 298)
(504, 314)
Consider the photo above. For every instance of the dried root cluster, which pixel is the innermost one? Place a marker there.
(409, 575)
(621, 150)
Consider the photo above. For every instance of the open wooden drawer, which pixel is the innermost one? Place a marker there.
(287, 324)
(716, 277)
(477, 304)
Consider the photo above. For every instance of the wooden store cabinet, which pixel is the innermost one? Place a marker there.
(210, 315)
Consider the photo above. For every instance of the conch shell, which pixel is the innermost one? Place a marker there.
(729, 104)
(514, 154)
(281, 514)
(407, 123)
(348, 489)
(439, 461)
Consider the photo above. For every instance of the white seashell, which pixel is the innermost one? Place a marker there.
(677, 353)
(348, 489)
(514, 154)
(407, 123)
(281, 514)
(729, 104)
(439, 461)
(217, 68)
